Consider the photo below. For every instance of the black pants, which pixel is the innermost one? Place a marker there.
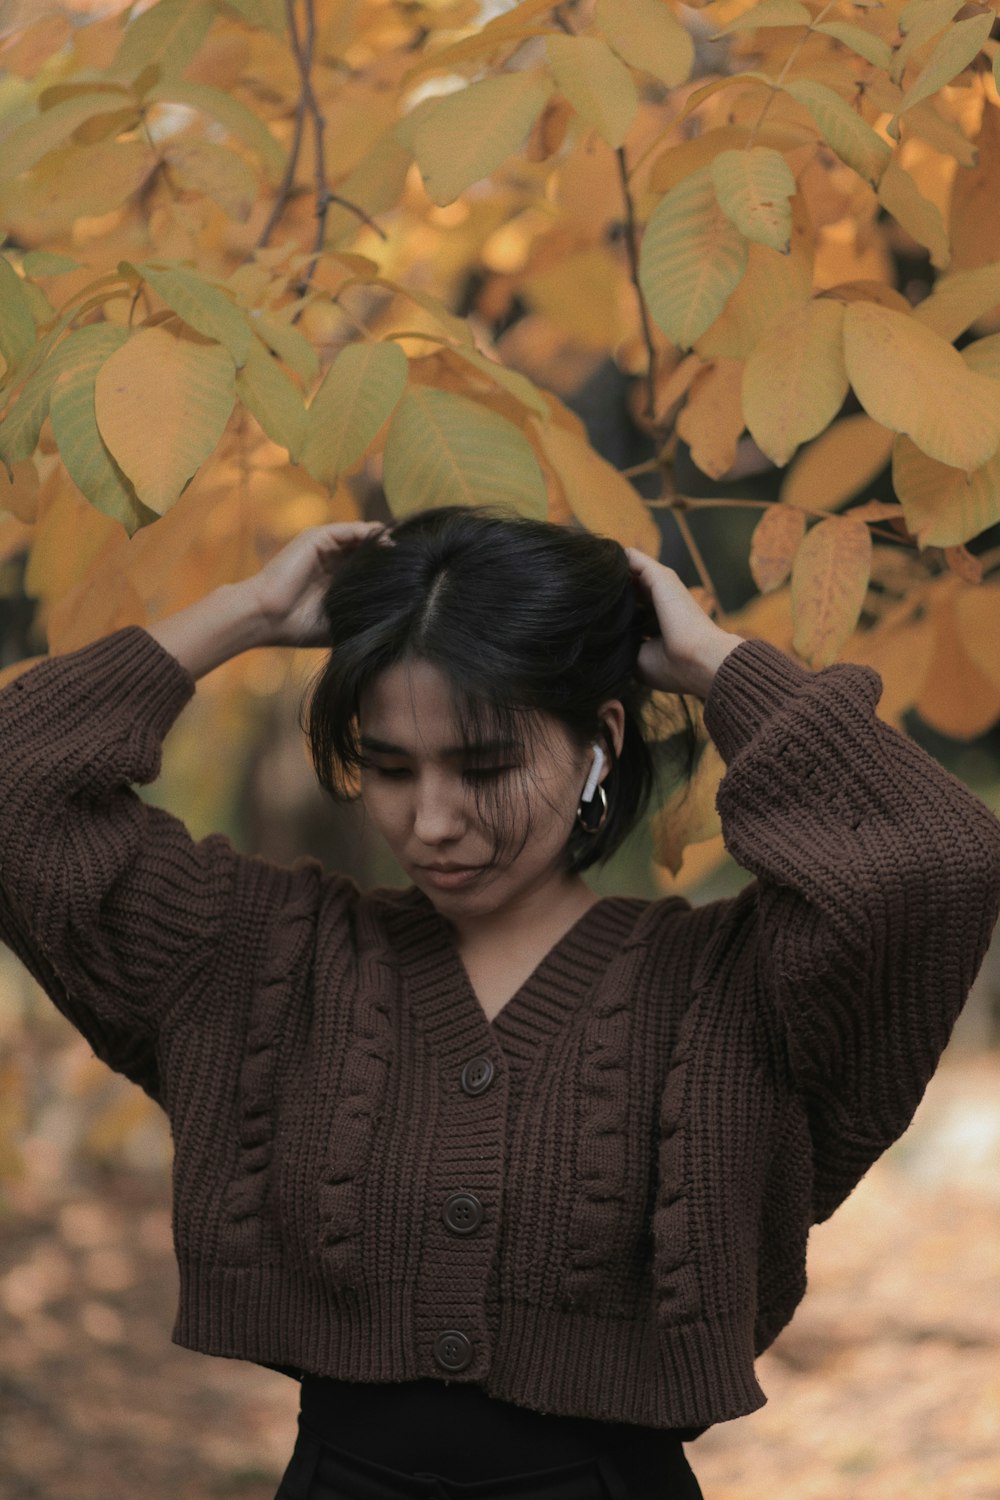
(319, 1471)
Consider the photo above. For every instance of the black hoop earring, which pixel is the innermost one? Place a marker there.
(596, 827)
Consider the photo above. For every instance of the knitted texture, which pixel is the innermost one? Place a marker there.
(677, 1093)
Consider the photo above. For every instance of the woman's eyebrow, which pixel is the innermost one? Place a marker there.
(482, 747)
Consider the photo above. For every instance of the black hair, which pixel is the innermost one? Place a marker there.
(519, 616)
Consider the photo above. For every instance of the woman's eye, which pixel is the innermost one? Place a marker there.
(483, 773)
(390, 771)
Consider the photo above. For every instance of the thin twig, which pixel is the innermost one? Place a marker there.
(683, 526)
(687, 502)
(632, 250)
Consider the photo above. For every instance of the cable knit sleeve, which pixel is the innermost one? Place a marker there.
(877, 889)
(110, 903)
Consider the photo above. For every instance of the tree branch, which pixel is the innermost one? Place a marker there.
(288, 176)
(632, 250)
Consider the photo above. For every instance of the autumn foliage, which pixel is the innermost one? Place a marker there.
(258, 253)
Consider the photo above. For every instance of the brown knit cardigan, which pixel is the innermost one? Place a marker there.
(646, 1131)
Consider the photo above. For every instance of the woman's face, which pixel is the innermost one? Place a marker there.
(419, 784)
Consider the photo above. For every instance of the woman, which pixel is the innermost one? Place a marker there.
(516, 1181)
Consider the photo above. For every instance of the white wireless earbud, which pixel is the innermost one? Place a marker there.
(600, 761)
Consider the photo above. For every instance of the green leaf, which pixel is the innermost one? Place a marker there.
(28, 143)
(692, 259)
(230, 113)
(754, 189)
(359, 392)
(288, 344)
(203, 306)
(40, 263)
(769, 13)
(647, 35)
(273, 399)
(267, 14)
(844, 131)
(465, 136)
(168, 35)
(960, 45)
(17, 326)
(74, 423)
(596, 83)
(872, 48)
(162, 404)
(445, 450)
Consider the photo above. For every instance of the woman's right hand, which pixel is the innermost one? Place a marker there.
(288, 591)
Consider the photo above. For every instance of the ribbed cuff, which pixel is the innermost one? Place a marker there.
(126, 672)
(754, 680)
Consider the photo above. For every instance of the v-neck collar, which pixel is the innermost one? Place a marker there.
(442, 991)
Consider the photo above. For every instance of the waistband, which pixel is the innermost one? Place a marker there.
(327, 1472)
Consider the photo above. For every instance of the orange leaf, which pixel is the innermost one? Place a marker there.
(829, 582)
(775, 541)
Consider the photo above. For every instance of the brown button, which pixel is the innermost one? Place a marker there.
(462, 1213)
(452, 1350)
(477, 1075)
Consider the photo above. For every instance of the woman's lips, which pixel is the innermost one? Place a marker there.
(449, 879)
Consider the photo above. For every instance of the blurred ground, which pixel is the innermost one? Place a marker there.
(886, 1385)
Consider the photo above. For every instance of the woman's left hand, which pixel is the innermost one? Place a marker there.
(685, 655)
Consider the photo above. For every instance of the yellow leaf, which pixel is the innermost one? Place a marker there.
(235, 117)
(445, 450)
(977, 615)
(74, 423)
(358, 394)
(679, 161)
(375, 185)
(829, 582)
(599, 496)
(944, 506)
(753, 188)
(162, 403)
(943, 134)
(691, 260)
(843, 460)
(922, 221)
(84, 181)
(972, 217)
(690, 816)
(596, 83)
(583, 293)
(910, 380)
(467, 135)
(168, 34)
(957, 698)
(959, 300)
(795, 381)
(515, 24)
(844, 131)
(647, 35)
(773, 546)
(202, 167)
(712, 418)
(19, 493)
(768, 13)
(772, 285)
(53, 568)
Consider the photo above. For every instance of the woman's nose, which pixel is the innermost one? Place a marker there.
(439, 812)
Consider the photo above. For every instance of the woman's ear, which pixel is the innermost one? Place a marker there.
(612, 715)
